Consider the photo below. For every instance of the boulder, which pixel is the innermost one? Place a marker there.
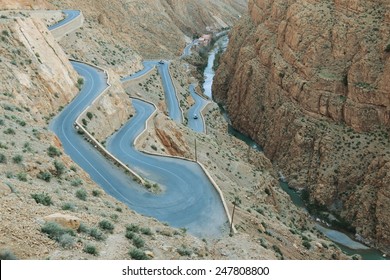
(66, 221)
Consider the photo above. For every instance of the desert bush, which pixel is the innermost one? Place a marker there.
(106, 225)
(7, 255)
(68, 206)
(97, 234)
(146, 231)
(132, 227)
(60, 168)
(17, 159)
(44, 175)
(9, 131)
(42, 198)
(55, 231)
(22, 176)
(138, 241)
(138, 254)
(66, 241)
(81, 194)
(184, 251)
(96, 193)
(3, 158)
(53, 151)
(76, 182)
(90, 249)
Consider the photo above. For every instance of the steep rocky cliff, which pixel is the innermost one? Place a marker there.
(309, 80)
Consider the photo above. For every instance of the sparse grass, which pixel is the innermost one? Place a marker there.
(42, 198)
(138, 254)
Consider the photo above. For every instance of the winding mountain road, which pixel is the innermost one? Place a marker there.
(189, 200)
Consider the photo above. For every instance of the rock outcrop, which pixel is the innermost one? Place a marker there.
(308, 80)
(66, 221)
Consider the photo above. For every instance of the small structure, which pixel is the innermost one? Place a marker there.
(205, 39)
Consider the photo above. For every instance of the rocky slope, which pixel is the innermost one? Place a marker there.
(308, 80)
(155, 28)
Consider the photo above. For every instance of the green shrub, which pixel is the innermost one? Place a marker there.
(106, 225)
(146, 231)
(184, 251)
(3, 158)
(89, 115)
(45, 176)
(138, 241)
(22, 176)
(130, 235)
(306, 244)
(387, 49)
(80, 82)
(81, 194)
(68, 206)
(42, 198)
(96, 193)
(55, 231)
(132, 227)
(90, 249)
(138, 254)
(76, 182)
(9, 131)
(97, 234)
(7, 255)
(53, 151)
(60, 168)
(66, 241)
(17, 159)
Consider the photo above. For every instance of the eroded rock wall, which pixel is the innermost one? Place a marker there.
(308, 80)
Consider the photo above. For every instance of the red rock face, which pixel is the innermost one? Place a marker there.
(309, 80)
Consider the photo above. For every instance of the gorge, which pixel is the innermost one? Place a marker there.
(308, 81)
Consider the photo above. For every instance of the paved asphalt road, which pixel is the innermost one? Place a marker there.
(196, 124)
(69, 16)
(170, 94)
(189, 200)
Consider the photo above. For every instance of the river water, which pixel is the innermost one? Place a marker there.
(343, 240)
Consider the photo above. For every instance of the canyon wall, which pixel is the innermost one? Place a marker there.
(309, 81)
